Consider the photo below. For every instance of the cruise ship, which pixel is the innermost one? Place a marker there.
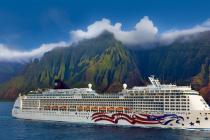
(154, 105)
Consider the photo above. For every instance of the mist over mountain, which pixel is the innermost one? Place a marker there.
(107, 64)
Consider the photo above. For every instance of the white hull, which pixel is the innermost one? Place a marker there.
(156, 105)
(188, 122)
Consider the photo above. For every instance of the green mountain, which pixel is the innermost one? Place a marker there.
(178, 62)
(107, 64)
(186, 61)
(103, 61)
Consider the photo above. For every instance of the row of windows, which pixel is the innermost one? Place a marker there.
(177, 109)
(28, 103)
(63, 96)
(149, 109)
(155, 91)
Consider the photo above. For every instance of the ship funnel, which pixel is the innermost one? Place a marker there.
(90, 86)
(124, 86)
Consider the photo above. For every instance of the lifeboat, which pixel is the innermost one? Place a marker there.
(62, 108)
(54, 107)
(102, 108)
(79, 108)
(119, 108)
(87, 108)
(110, 109)
(127, 108)
(94, 108)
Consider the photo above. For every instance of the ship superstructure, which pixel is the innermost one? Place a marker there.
(154, 105)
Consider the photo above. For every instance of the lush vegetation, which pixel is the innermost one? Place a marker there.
(103, 61)
(186, 61)
(107, 64)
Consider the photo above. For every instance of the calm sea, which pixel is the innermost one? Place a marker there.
(17, 129)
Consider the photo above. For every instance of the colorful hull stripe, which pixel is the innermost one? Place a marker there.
(138, 118)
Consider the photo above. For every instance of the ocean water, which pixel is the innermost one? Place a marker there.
(17, 129)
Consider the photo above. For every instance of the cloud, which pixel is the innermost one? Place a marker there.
(143, 32)
(171, 35)
(7, 54)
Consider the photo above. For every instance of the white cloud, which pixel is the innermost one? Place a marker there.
(7, 54)
(143, 32)
(171, 35)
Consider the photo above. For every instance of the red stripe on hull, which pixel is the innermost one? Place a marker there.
(114, 118)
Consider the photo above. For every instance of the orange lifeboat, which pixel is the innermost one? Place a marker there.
(102, 108)
(79, 108)
(87, 108)
(119, 108)
(94, 108)
(110, 109)
(62, 108)
(54, 107)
